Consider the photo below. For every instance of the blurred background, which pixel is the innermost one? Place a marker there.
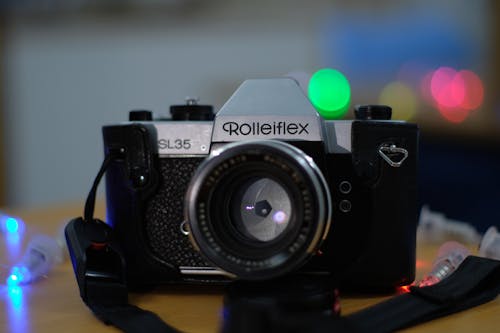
(69, 66)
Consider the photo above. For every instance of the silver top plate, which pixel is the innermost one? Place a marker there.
(267, 109)
(338, 136)
(183, 137)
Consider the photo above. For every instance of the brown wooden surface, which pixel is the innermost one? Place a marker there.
(54, 305)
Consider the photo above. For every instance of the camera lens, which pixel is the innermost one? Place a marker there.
(258, 209)
(263, 209)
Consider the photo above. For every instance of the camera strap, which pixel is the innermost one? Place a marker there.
(476, 281)
(100, 272)
(124, 316)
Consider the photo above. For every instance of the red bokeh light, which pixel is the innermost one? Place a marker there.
(447, 87)
(455, 114)
(454, 93)
(474, 88)
(404, 289)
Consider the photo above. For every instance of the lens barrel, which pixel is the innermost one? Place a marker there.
(258, 209)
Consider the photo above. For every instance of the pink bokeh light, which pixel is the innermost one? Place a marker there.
(474, 90)
(447, 87)
(454, 93)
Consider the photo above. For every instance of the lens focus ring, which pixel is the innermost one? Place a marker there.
(258, 209)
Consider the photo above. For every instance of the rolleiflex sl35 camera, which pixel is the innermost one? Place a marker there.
(263, 189)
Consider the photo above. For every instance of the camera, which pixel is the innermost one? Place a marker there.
(264, 188)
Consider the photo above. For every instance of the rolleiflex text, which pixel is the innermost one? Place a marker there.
(258, 128)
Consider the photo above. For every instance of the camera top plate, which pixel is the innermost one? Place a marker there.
(267, 109)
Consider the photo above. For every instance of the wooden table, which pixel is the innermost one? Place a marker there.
(53, 304)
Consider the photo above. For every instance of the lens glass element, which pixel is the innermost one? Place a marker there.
(258, 209)
(264, 209)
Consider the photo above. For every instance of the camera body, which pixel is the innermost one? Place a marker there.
(357, 203)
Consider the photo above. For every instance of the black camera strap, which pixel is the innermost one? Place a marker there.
(116, 311)
(100, 272)
(476, 281)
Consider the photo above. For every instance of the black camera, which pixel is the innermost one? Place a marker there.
(263, 189)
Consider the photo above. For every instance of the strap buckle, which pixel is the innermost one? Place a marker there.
(97, 261)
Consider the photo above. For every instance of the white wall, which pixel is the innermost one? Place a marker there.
(68, 73)
(67, 76)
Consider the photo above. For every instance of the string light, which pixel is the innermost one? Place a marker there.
(401, 98)
(11, 225)
(455, 94)
(330, 93)
(40, 256)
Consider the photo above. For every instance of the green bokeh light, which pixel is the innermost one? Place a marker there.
(330, 93)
